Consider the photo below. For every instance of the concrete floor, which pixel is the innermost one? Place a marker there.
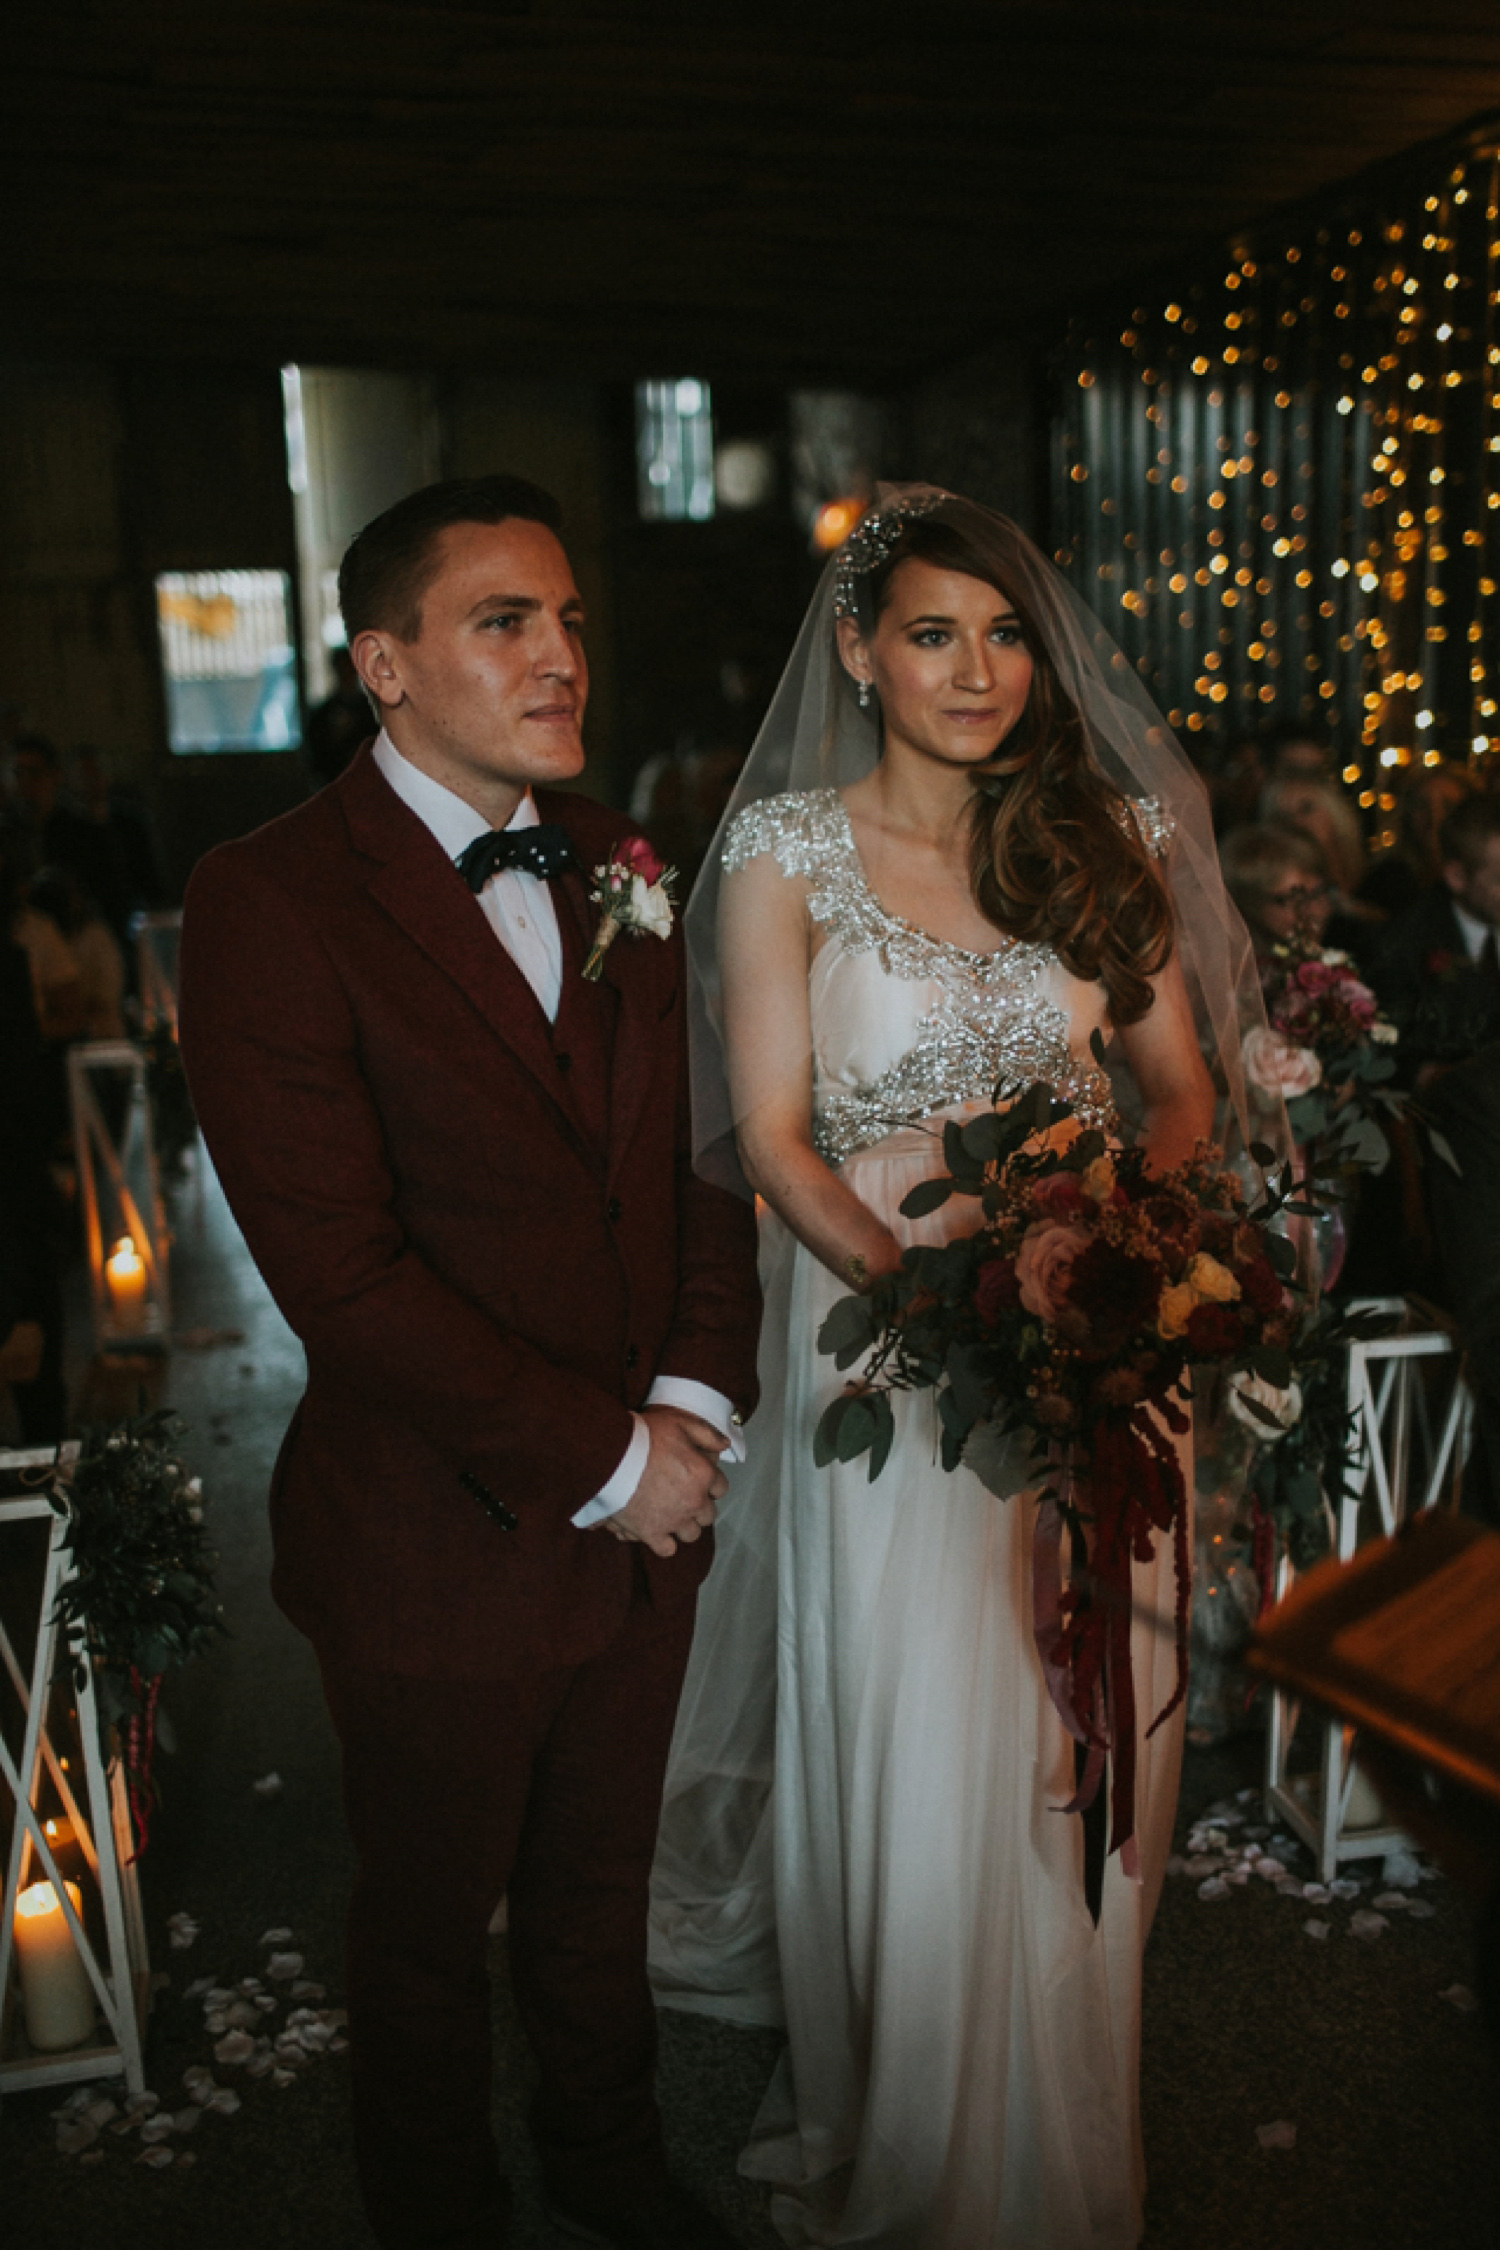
(1392, 2090)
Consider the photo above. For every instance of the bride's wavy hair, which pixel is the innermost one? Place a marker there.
(1056, 856)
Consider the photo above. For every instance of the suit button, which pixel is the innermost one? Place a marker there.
(564, 1062)
(614, 1210)
(632, 1357)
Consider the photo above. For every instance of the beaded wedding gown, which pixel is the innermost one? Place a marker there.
(860, 1835)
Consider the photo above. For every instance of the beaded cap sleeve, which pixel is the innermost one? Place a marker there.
(991, 1018)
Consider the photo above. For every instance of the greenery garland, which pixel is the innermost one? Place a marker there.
(141, 1596)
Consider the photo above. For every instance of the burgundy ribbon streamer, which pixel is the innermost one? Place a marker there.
(1082, 1631)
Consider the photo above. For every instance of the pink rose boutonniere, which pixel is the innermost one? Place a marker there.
(633, 891)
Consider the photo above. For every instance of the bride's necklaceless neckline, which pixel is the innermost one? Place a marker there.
(900, 921)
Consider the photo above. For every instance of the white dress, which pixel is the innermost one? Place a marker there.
(893, 1881)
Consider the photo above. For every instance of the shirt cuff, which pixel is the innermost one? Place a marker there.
(709, 1405)
(621, 1488)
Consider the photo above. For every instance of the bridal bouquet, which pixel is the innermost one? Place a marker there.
(1059, 1337)
(1324, 1050)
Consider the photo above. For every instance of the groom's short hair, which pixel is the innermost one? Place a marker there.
(389, 566)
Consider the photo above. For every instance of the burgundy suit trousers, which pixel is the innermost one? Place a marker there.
(547, 1787)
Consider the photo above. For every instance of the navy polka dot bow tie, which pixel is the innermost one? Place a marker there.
(546, 850)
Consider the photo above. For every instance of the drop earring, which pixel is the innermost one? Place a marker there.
(864, 695)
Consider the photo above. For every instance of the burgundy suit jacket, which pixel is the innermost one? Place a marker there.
(485, 1229)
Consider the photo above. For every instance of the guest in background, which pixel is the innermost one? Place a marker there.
(679, 799)
(1297, 753)
(1400, 877)
(97, 959)
(56, 985)
(121, 812)
(1435, 967)
(55, 833)
(1464, 1209)
(1278, 878)
(1321, 810)
(31, 1220)
(1236, 784)
(336, 727)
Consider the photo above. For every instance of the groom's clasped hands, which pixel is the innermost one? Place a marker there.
(681, 1482)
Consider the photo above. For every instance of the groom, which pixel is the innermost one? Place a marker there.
(465, 1172)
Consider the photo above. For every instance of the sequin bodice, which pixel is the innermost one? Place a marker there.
(903, 1024)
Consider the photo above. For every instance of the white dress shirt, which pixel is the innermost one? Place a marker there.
(1473, 931)
(520, 910)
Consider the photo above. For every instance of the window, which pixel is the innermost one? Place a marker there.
(674, 441)
(228, 661)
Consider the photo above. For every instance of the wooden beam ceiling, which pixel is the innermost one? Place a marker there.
(814, 192)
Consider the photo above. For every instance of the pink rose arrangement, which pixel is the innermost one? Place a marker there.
(1325, 1048)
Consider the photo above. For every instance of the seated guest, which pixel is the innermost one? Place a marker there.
(1435, 967)
(1321, 810)
(31, 1219)
(1297, 753)
(57, 894)
(56, 985)
(1235, 784)
(336, 728)
(130, 851)
(1398, 878)
(59, 835)
(1464, 1209)
(1278, 879)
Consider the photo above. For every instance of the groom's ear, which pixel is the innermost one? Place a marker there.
(374, 656)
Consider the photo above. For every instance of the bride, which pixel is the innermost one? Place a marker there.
(964, 845)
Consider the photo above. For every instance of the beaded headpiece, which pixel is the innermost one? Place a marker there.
(872, 541)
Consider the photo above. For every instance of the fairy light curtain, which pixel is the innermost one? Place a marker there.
(1281, 486)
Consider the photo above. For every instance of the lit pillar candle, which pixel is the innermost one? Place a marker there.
(55, 1988)
(125, 1274)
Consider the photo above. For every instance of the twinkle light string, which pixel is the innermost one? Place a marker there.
(1281, 480)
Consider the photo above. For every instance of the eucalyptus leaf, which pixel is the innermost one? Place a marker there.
(848, 1327)
(857, 1429)
(885, 1431)
(925, 1197)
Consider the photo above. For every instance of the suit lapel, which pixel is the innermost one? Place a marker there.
(415, 884)
(628, 974)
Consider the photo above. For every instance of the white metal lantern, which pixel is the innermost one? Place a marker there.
(75, 1975)
(1412, 1412)
(119, 1186)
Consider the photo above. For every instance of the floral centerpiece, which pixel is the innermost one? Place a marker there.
(140, 1598)
(1060, 1336)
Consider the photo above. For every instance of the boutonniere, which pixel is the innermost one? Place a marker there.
(633, 891)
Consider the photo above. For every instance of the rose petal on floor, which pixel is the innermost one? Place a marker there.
(1281, 2134)
(269, 1785)
(1364, 1924)
(1459, 1996)
(1318, 1930)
